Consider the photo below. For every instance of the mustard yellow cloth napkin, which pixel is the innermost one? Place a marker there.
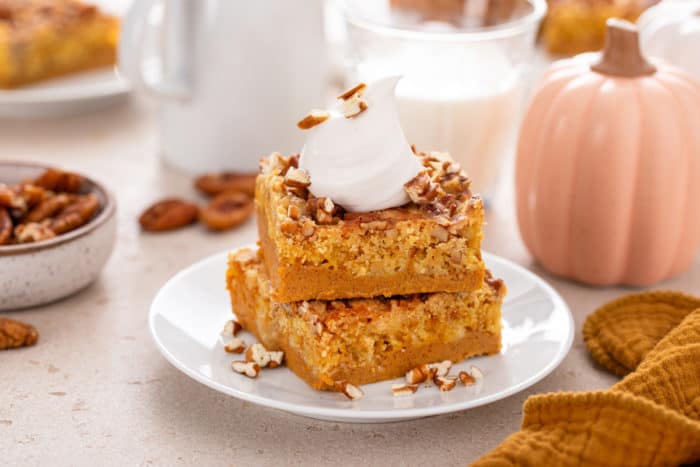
(651, 417)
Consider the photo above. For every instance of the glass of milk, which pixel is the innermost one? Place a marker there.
(463, 69)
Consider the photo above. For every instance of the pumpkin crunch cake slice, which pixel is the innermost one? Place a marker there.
(313, 249)
(41, 39)
(364, 340)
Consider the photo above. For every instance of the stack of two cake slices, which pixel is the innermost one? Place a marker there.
(365, 297)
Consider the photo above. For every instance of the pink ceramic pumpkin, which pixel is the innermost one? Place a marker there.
(608, 168)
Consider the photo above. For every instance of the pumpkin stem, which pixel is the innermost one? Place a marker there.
(621, 55)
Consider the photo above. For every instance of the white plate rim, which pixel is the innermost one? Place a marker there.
(32, 95)
(359, 414)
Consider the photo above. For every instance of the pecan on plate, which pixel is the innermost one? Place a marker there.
(215, 183)
(227, 210)
(15, 334)
(76, 214)
(168, 214)
(5, 227)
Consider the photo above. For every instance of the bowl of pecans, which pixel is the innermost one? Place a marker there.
(57, 230)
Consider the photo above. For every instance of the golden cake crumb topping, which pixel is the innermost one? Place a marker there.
(441, 190)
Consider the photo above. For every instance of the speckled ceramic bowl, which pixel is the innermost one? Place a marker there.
(37, 273)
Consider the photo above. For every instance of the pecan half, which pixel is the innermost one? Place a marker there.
(14, 334)
(168, 214)
(213, 184)
(76, 214)
(48, 207)
(5, 227)
(33, 232)
(227, 210)
(21, 197)
(60, 181)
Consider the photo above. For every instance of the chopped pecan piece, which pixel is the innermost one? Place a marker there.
(418, 374)
(315, 117)
(357, 89)
(168, 214)
(441, 368)
(213, 184)
(257, 353)
(293, 161)
(231, 328)
(466, 378)
(276, 358)
(350, 391)
(308, 228)
(400, 390)
(235, 345)
(14, 334)
(445, 383)
(33, 232)
(294, 212)
(227, 210)
(476, 373)
(440, 233)
(324, 210)
(249, 369)
(421, 189)
(76, 214)
(323, 218)
(354, 106)
(297, 178)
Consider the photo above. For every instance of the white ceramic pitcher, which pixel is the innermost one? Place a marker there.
(233, 76)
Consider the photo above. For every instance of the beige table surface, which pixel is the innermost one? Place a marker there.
(96, 391)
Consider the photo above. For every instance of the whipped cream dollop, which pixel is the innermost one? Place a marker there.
(363, 162)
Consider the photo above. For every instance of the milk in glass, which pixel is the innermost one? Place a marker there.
(461, 99)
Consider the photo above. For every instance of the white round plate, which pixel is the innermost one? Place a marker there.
(71, 94)
(190, 310)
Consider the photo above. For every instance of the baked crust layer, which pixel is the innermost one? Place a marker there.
(417, 248)
(364, 340)
(42, 39)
